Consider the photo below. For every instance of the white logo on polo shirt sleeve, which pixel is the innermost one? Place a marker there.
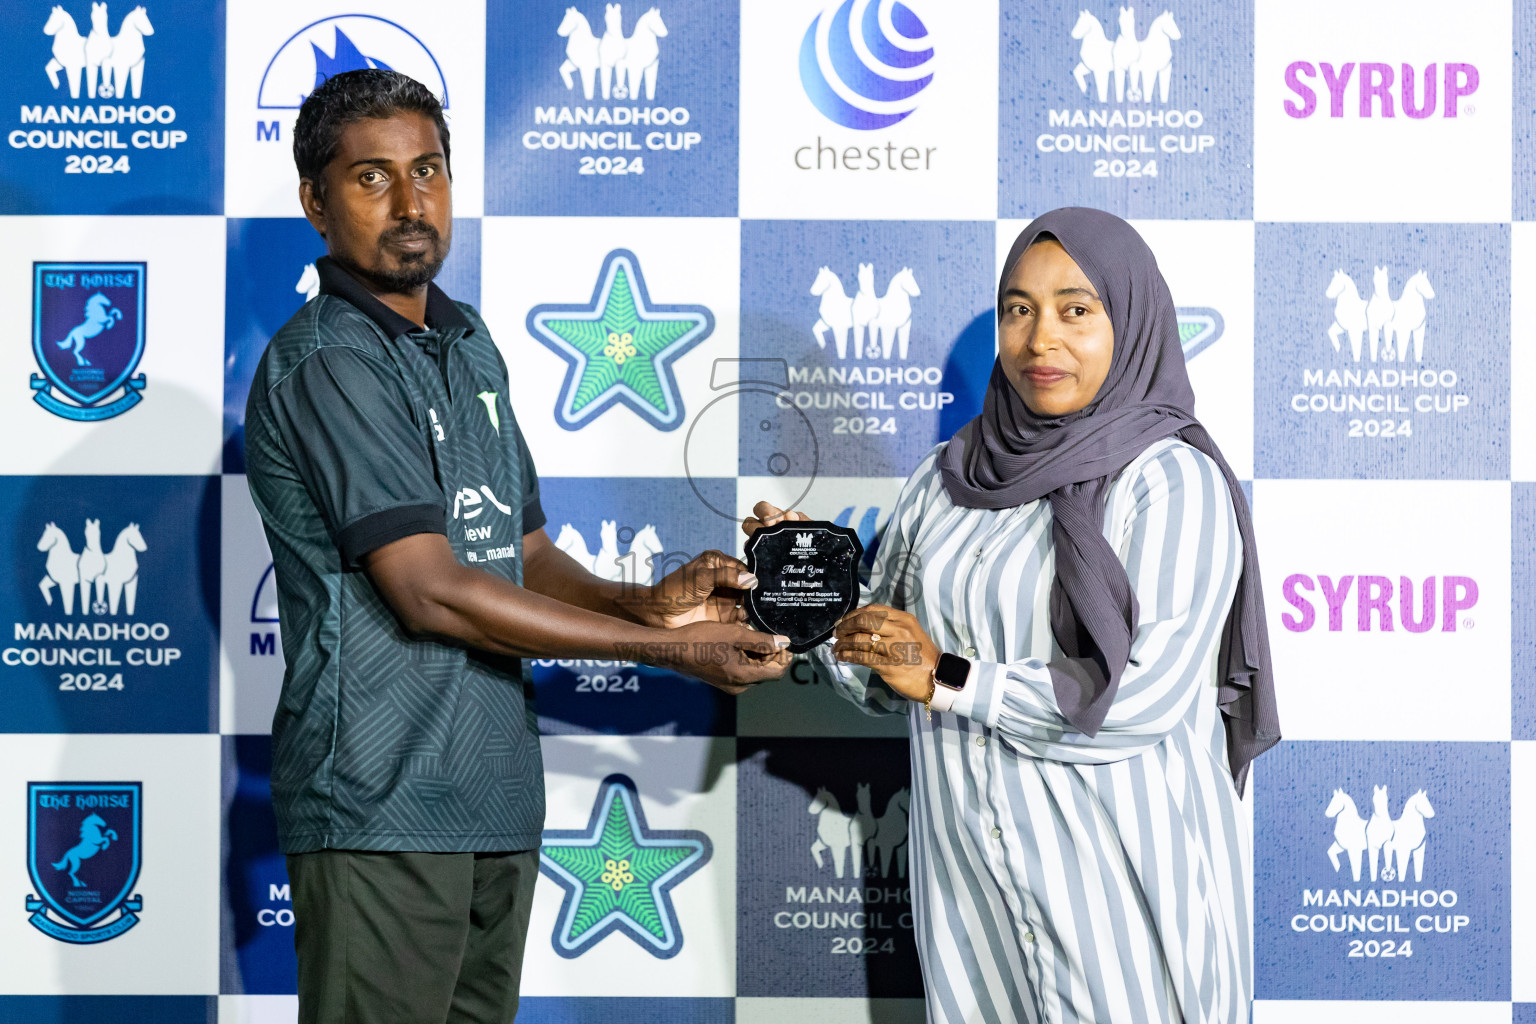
(469, 503)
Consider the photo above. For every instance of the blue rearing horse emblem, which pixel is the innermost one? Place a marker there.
(99, 315)
(83, 853)
(95, 836)
(88, 338)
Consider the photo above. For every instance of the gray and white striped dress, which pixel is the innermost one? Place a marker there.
(1058, 878)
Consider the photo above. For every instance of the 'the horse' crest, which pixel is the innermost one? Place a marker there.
(88, 338)
(84, 841)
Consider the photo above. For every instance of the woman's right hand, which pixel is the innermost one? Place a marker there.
(764, 514)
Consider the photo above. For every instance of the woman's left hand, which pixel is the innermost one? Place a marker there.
(893, 644)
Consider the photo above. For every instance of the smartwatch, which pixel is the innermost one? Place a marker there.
(950, 675)
(951, 671)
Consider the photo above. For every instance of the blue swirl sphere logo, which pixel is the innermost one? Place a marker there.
(864, 62)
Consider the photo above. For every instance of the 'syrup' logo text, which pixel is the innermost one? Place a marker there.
(83, 843)
(625, 68)
(1127, 83)
(112, 69)
(1382, 89)
(88, 337)
(618, 874)
(1373, 600)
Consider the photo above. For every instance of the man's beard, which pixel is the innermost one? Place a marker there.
(416, 268)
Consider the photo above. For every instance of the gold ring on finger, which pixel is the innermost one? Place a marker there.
(874, 638)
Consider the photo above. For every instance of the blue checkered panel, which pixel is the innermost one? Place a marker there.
(802, 207)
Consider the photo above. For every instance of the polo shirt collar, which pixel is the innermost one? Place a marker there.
(441, 311)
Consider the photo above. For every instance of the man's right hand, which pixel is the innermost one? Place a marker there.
(434, 595)
(727, 656)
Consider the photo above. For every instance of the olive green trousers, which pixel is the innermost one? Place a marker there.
(410, 938)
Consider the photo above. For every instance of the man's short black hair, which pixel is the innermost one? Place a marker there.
(355, 96)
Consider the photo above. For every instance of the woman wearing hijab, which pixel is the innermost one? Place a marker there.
(1066, 606)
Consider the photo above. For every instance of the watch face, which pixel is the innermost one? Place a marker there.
(952, 671)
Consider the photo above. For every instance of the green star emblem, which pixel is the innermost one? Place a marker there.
(618, 874)
(620, 347)
(1199, 327)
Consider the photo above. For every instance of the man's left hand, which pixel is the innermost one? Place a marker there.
(707, 589)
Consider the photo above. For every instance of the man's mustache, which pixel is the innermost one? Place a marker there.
(410, 229)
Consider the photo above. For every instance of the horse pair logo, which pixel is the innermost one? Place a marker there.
(639, 563)
(1390, 842)
(88, 338)
(621, 63)
(83, 855)
(1145, 64)
(113, 575)
(308, 284)
(885, 320)
(1389, 324)
(860, 838)
(117, 59)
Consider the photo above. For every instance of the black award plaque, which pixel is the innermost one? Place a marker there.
(807, 578)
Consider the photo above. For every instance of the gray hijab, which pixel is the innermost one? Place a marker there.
(1008, 456)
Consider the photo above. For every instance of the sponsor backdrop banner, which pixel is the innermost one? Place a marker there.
(734, 252)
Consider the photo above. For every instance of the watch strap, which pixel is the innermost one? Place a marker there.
(943, 698)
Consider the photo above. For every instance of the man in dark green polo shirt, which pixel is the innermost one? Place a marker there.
(414, 580)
